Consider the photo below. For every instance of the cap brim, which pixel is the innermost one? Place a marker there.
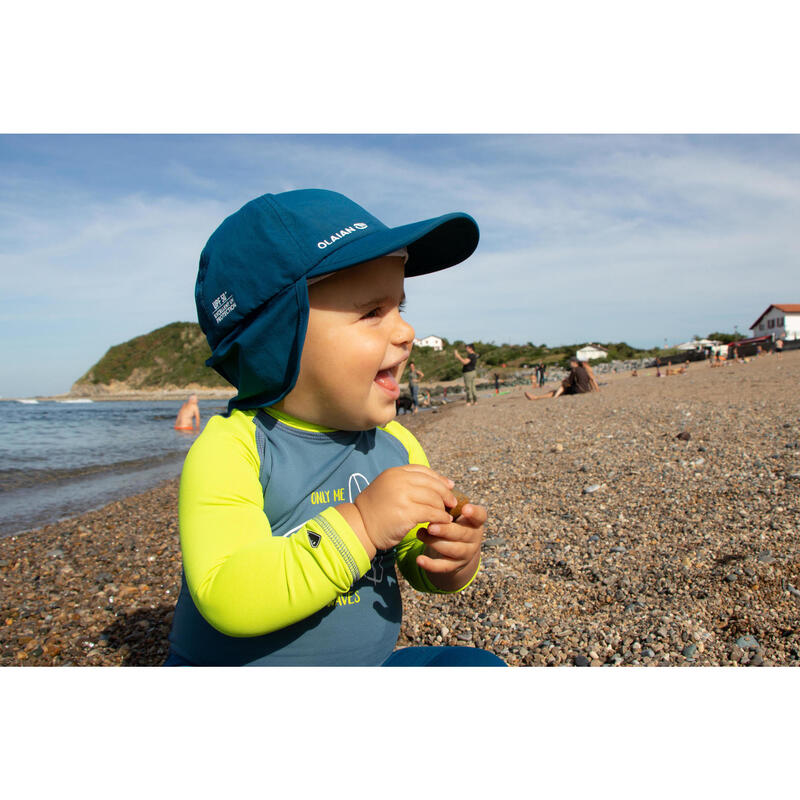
(432, 244)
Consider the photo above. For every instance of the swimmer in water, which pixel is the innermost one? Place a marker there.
(189, 415)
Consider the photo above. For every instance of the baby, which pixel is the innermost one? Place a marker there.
(297, 504)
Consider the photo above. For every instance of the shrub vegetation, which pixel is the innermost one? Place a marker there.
(174, 355)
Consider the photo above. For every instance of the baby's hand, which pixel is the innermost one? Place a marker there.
(401, 498)
(453, 549)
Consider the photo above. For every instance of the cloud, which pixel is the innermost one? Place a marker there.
(635, 247)
(134, 247)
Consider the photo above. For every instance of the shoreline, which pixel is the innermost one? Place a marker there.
(609, 540)
(162, 396)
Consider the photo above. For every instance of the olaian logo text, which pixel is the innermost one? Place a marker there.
(334, 237)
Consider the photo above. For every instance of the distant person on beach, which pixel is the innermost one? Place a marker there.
(496, 383)
(468, 373)
(189, 415)
(414, 375)
(540, 370)
(576, 382)
(590, 372)
(296, 506)
(779, 347)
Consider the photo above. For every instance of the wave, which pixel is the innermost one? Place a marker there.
(11, 479)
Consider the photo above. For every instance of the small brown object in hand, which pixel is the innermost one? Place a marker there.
(461, 501)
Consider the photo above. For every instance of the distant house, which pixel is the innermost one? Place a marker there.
(779, 320)
(591, 352)
(429, 341)
(699, 344)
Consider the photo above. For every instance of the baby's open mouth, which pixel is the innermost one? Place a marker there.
(387, 381)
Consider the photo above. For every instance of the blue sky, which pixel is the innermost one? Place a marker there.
(641, 238)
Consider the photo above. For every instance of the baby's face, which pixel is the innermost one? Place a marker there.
(355, 349)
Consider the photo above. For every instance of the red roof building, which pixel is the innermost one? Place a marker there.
(780, 320)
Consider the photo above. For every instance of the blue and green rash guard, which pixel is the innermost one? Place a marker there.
(272, 573)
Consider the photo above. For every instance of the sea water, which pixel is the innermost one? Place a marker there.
(60, 459)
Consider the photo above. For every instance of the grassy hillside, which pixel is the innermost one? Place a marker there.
(174, 355)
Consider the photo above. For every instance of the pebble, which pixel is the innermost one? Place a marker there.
(736, 654)
(581, 661)
(493, 541)
(747, 642)
(592, 488)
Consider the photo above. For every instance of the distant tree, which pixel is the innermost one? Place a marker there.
(725, 338)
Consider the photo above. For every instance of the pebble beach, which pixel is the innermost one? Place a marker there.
(655, 523)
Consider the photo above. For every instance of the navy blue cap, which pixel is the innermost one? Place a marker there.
(251, 291)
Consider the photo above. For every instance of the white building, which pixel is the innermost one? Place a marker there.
(699, 344)
(591, 352)
(779, 320)
(429, 341)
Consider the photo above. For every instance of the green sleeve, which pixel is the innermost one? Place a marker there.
(243, 580)
(411, 547)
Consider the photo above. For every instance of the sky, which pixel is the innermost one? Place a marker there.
(639, 238)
